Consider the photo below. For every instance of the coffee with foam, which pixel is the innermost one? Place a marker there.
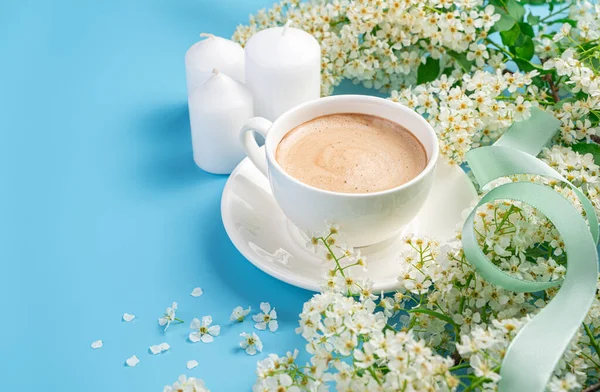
(351, 153)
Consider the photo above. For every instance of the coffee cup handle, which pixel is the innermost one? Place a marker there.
(257, 156)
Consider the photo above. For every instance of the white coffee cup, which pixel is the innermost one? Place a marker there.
(364, 218)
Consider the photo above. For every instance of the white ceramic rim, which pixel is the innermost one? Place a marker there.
(270, 145)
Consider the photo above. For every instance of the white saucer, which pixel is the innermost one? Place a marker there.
(261, 232)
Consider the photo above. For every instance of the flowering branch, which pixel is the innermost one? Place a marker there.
(553, 88)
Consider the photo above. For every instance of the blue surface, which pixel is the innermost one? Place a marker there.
(102, 209)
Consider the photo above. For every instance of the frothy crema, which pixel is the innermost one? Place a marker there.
(351, 153)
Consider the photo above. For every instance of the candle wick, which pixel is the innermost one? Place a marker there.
(206, 35)
(215, 71)
(285, 27)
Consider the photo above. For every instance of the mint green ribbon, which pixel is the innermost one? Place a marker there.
(536, 350)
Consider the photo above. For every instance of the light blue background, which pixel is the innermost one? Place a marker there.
(102, 209)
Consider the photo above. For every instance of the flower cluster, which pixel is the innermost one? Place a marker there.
(203, 331)
(579, 120)
(353, 346)
(579, 169)
(471, 111)
(484, 348)
(382, 43)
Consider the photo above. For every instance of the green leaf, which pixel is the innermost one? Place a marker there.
(448, 71)
(532, 19)
(534, 2)
(585, 46)
(509, 37)
(553, 3)
(461, 58)
(497, 3)
(428, 71)
(506, 22)
(588, 148)
(528, 66)
(524, 47)
(572, 22)
(515, 9)
(526, 29)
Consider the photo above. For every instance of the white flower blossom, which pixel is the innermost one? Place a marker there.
(168, 317)
(251, 343)
(203, 331)
(268, 318)
(239, 314)
(564, 31)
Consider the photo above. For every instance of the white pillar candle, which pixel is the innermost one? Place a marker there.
(218, 110)
(283, 69)
(210, 53)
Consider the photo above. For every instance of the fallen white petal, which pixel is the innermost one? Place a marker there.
(206, 338)
(195, 324)
(159, 348)
(273, 325)
(132, 361)
(197, 292)
(97, 344)
(156, 349)
(192, 364)
(128, 317)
